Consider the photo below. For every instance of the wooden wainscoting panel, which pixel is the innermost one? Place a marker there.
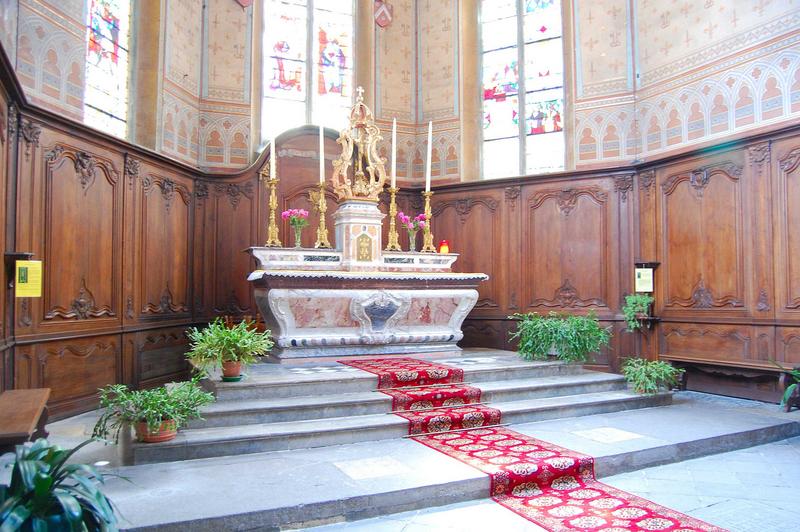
(160, 355)
(473, 226)
(713, 343)
(570, 247)
(164, 218)
(787, 340)
(70, 216)
(483, 333)
(704, 239)
(75, 369)
(786, 220)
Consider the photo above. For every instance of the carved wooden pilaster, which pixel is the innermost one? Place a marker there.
(622, 185)
(30, 133)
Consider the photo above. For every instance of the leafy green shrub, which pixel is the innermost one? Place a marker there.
(46, 493)
(179, 402)
(795, 375)
(635, 305)
(649, 376)
(218, 343)
(572, 337)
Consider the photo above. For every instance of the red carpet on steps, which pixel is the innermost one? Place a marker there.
(542, 482)
(396, 372)
(433, 396)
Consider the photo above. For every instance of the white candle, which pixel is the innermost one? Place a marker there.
(321, 155)
(428, 168)
(394, 153)
(272, 167)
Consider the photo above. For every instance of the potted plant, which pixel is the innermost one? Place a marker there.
(650, 376)
(789, 380)
(571, 338)
(46, 493)
(156, 414)
(636, 310)
(227, 346)
(412, 225)
(298, 219)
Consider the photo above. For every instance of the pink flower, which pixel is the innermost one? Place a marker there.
(303, 213)
(421, 224)
(421, 217)
(285, 215)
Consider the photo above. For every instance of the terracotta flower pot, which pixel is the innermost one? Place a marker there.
(231, 371)
(166, 431)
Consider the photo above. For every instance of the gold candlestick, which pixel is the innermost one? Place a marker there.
(427, 235)
(321, 204)
(394, 243)
(272, 229)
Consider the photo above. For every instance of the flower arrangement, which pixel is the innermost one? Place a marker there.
(412, 225)
(298, 219)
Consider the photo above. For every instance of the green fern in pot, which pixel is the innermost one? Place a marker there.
(570, 338)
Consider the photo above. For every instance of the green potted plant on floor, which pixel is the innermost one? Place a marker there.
(46, 493)
(637, 310)
(156, 414)
(650, 376)
(570, 338)
(227, 345)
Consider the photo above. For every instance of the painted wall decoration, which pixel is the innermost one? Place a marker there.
(705, 71)
(8, 28)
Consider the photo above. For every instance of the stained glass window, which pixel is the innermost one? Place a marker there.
(308, 69)
(106, 86)
(523, 75)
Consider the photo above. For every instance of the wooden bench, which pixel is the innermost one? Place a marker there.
(23, 415)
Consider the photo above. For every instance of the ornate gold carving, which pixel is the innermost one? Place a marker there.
(394, 241)
(320, 203)
(360, 140)
(265, 176)
(427, 231)
(364, 248)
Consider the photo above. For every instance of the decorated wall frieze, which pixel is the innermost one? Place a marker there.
(165, 304)
(95, 348)
(701, 177)
(168, 188)
(464, 206)
(85, 164)
(790, 161)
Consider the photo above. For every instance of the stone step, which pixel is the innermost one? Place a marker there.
(304, 487)
(246, 412)
(255, 438)
(265, 381)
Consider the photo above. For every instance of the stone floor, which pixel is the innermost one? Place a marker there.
(738, 490)
(750, 490)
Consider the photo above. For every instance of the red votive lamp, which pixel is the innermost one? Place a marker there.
(444, 246)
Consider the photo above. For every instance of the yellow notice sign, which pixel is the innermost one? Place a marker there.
(644, 279)
(28, 278)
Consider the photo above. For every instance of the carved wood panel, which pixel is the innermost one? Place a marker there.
(786, 298)
(703, 239)
(703, 342)
(159, 355)
(569, 247)
(473, 226)
(164, 221)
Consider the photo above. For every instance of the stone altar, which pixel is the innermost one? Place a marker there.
(359, 299)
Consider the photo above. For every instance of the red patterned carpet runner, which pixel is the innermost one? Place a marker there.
(396, 372)
(433, 396)
(544, 483)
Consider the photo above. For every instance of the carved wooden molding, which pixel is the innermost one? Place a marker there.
(82, 307)
(567, 296)
(701, 177)
(85, 165)
(132, 167)
(82, 352)
(2, 129)
(763, 301)
(165, 304)
(697, 331)
(622, 185)
(13, 121)
(25, 312)
(511, 195)
(759, 154)
(486, 303)
(234, 192)
(567, 198)
(232, 306)
(200, 190)
(790, 161)
(161, 338)
(703, 298)
(129, 308)
(464, 206)
(647, 181)
(30, 133)
(168, 188)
